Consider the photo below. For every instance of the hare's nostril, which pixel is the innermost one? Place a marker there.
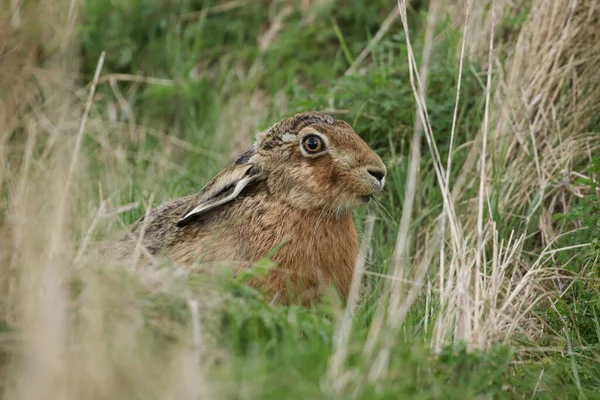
(377, 174)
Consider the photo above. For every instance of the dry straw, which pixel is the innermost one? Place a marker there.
(543, 103)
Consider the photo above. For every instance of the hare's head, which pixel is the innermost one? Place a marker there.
(308, 161)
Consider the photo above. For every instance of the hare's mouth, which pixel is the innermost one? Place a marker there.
(365, 199)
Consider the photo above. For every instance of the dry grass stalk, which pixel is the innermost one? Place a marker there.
(388, 319)
(93, 345)
(337, 374)
(442, 272)
(538, 132)
(479, 15)
(218, 9)
(483, 191)
(385, 27)
(552, 97)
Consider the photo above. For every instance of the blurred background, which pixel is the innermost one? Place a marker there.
(482, 274)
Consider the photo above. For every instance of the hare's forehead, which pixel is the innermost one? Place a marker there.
(346, 141)
(288, 137)
(335, 135)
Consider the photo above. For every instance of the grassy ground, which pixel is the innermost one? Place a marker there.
(482, 269)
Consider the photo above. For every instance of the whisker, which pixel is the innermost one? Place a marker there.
(379, 204)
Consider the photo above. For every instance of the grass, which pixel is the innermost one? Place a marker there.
(480, 272)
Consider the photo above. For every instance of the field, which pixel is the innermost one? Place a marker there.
(481, 257)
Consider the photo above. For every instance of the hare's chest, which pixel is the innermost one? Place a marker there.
(324, 249)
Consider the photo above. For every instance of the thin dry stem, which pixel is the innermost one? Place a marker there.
(442, 272)
(75, 157)
(381, 32)
(343, 327)
(480, 258)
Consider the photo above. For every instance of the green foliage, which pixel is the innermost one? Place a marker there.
(574, 317)
(481, 373)
(581, 303)
(585, 213)
(173, 40)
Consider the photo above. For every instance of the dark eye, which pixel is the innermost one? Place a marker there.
(313, 144)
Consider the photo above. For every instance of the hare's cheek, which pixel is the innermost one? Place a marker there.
(354, 184)
(312, 179)
(302, 199)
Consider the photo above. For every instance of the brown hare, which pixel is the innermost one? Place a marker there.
(293, 192)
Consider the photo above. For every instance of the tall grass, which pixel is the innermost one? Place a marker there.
(471, 286)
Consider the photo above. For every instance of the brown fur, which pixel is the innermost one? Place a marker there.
(301, 203)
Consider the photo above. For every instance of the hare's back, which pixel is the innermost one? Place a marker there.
(155, 229)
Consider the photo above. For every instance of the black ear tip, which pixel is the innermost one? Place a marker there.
(182, 222)
(189, 219)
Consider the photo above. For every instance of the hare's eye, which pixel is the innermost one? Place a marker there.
(313, 144)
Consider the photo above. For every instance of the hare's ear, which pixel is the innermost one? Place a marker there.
(224, 187)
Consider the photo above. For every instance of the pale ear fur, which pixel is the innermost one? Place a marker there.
(223, 188)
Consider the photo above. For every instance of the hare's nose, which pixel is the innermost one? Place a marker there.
(377, 174)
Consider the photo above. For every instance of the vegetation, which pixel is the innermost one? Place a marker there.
(482, 270)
